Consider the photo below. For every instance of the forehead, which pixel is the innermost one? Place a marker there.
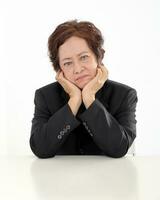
(73, 46)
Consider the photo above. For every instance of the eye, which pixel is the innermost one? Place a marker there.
(84, 57)
(67, 63)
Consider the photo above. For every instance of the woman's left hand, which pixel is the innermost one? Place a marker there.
(89, 91)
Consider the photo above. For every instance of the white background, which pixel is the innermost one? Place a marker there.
(131, 30)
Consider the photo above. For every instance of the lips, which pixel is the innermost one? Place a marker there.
(81, 77)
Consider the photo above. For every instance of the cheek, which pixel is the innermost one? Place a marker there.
(68, 77)
(93, 72)
(92, 68)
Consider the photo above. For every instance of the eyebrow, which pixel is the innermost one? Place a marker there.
(77, 55)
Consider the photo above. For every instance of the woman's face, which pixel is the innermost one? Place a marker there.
(76, 59)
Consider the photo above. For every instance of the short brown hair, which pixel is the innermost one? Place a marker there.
(82, 29)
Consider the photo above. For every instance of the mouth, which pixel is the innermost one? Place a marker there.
(81, 78)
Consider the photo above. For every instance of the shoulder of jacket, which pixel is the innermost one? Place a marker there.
(119, 86)
(50, 88)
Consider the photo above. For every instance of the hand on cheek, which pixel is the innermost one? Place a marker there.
(67, 85)
(97, 82)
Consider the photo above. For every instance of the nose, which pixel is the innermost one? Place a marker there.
(77, 67)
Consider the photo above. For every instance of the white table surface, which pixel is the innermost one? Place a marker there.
(79, 177)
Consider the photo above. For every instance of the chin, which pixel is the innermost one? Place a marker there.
(82, 85)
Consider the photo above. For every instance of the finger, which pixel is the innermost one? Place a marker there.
(61, 75)
(56, 77)
(100, 78)
(57, 74)
(104, 70)
(100, 73)
(62, 78)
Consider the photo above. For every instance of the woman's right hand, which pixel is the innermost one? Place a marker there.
(70, 88)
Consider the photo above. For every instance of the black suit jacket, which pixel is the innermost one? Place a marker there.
(107, 127)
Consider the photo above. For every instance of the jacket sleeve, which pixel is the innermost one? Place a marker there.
(113, 134)
(48, 132)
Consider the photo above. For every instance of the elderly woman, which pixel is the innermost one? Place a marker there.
(83, 112)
